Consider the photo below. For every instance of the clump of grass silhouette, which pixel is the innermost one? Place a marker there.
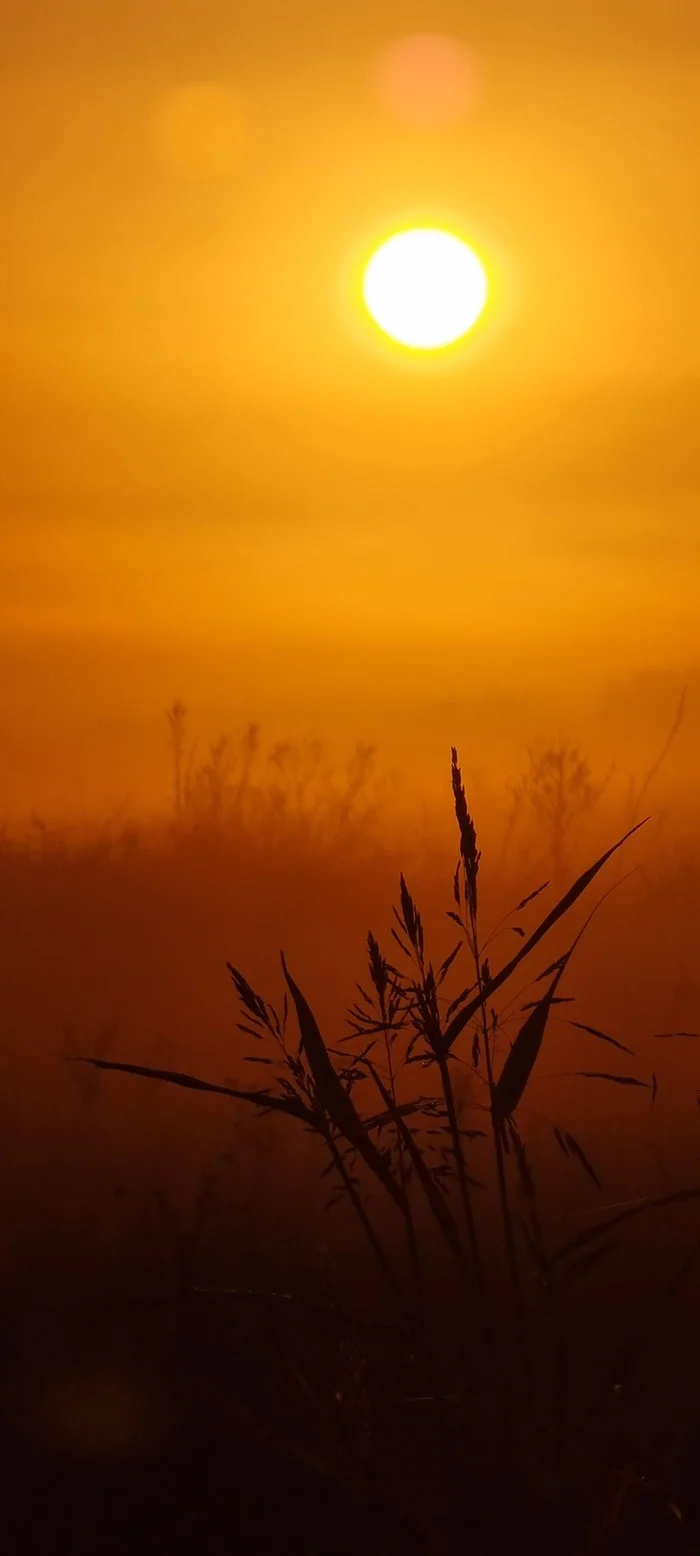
(288, 788)
(406, 1140)
(560, 790)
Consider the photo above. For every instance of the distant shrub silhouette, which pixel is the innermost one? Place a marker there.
(290, 789)
(561, 791)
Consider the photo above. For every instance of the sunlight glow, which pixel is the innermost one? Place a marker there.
(425, 288)
(427, 80)
(200, 130)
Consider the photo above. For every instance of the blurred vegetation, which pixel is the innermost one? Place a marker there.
(481, 1295)
(497, 1241)
(291, 789)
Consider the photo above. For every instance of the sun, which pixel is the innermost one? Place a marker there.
(425, 288)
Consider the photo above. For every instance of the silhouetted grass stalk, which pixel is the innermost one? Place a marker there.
(496, 1131)
(316, 1085)
(468, 911)
(365, 1222)
(419, 1291)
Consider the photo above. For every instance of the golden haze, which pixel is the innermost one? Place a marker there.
(213, 471)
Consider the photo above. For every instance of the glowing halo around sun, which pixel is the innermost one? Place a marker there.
(425, 288)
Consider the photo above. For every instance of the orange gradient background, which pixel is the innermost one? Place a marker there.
(217, 482)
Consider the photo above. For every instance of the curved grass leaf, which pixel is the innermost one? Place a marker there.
(562, 907)
(601, 1228)
(426, 1178)
(405, 1109)
(333, 1096)
(263, 1099)
(620, 1080)
(596, 1032)
(530, 897)
(576, 1150)
(519, 1065)
(445, 966)
(560, 999)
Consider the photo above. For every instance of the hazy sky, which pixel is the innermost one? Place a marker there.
(218, 482)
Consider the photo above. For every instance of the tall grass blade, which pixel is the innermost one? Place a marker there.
(525, 901)
(405, 1109)
(619, 1080)
(333, 1096)
(577, 1150)
(596, 1032)
(519, 1065)
(264, 1099)
(566, 902)
(601, 1228)
(435, 1199)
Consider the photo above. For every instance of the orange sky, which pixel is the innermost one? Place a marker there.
(217, 482)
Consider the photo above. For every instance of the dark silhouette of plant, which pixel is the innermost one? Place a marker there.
(291, 791)
(561, 790)
(177, 725)
(415, 1146)
(638, 789)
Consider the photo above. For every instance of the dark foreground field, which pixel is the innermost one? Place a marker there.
(171, 1424)
(130, 1427)
(447, 1299)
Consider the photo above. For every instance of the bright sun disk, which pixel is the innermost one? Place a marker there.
(425, 288)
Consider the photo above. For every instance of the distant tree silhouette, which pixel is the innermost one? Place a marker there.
(561, 790)
(177, 724)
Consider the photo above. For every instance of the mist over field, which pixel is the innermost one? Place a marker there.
(118, 927)
(349, 778)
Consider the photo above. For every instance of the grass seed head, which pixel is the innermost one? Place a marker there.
(467, 835)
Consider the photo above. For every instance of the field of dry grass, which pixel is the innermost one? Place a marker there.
(463, 1148)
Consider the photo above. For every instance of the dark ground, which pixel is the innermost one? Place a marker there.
(165, 1425)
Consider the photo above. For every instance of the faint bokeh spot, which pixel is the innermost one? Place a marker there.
(97, 1413)
(427, 79)
(200, 130)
